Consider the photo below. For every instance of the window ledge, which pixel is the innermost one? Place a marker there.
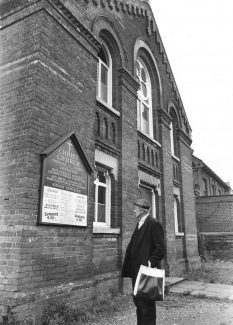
(179, 234)
(150, 138)
(105, 230)
(113, 110)
(176, 158)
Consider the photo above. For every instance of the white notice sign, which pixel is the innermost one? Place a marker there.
(64, 207)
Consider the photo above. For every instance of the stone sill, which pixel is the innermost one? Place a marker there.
(106, 230)
(179, 234)
(109, 107)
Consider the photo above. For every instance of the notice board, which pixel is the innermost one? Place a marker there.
(64, 190)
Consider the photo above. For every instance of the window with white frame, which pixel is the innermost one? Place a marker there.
(105, 75)
(172, 139)
(149, 194)
(102, 197)
(144, 103)
(179, 225)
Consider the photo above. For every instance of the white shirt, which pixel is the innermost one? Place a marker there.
(142, 220)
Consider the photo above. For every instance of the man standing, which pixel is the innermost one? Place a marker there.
(146, 247)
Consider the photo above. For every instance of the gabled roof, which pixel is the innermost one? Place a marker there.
(208, 170)
(140, 8)
(71, 135)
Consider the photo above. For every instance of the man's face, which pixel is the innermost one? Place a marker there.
(138, 211)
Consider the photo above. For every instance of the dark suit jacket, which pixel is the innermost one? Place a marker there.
(150, 247)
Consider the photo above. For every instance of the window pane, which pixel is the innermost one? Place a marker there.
(104, 93)
(101, 213)
(145, 119)
(101, 176)
(144, 90)
(137, 69)
(103, 56)
(101, 216)
(104, 83)
(104, 75)
(179, 216)
(143, 74)
(102, 195)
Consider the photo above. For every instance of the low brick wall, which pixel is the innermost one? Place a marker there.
(218, 245)
(214, 216)
(30, 305)
(214, 213)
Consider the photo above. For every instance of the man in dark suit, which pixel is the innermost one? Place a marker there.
(146, 247)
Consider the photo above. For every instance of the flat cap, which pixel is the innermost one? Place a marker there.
(145, 204)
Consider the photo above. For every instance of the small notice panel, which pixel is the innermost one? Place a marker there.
(64, 185)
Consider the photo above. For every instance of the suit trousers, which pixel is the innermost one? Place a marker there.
(145, 310)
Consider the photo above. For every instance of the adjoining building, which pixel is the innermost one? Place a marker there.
(207, 182)
(91, 119)
(214, 206)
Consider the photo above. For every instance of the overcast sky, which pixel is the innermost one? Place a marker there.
(198, 39)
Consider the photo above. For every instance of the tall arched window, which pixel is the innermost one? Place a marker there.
(102, 197)
(105, 75)
(144, 106)
(179, 224)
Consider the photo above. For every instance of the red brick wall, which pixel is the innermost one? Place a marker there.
(215, 225)
(48, 88)
(214, 213)
(105, 253)
(43, 99)
(188, 198)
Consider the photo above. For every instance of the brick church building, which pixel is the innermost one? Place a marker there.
(91, 119)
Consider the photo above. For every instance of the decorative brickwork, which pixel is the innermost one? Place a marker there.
(49, 78)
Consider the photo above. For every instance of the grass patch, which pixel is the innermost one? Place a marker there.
(204, 272)
(64, 314)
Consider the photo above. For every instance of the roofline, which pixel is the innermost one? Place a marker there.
(207, 168)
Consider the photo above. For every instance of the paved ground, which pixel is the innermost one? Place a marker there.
(188, 303)
(201, 289)
(223, 272)
(174, 310)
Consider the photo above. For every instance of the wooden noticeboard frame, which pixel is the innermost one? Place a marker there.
(64, 184)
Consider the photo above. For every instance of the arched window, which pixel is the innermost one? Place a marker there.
(179, 225)
(144, 105)
(102, 197)
(105, 75)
